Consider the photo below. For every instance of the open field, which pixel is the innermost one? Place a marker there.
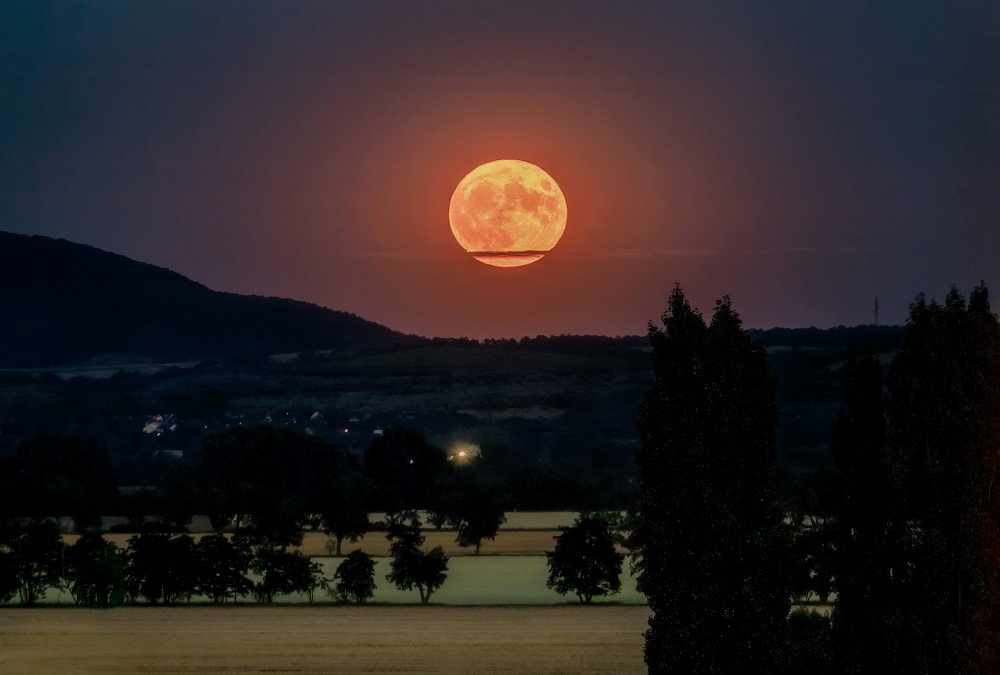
(516, 520)
(511, 570)
(483, 580)
(324, 639)
(508, 542)
(524, 533)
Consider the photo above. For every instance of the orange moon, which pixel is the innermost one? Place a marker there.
(507, 213)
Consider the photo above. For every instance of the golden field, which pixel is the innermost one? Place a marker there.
(324, 639)
(508, 542)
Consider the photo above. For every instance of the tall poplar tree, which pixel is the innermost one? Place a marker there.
(863, 640)
(944, 434)
(711, 548)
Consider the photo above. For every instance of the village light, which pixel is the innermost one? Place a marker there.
(464, 452)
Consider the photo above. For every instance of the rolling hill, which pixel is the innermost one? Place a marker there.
(64, 303)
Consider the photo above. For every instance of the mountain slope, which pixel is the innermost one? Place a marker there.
(62, 302)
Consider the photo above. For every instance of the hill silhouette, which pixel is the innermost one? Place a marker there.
(65, 303)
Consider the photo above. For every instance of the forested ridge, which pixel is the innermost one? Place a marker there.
(65, 303)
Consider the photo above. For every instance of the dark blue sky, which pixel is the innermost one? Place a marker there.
(802, 157)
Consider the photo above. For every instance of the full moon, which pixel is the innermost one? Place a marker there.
(507, 213)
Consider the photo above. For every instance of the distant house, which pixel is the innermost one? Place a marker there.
(159, 423)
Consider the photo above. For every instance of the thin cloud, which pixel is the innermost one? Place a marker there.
(619, 253)
(405, 255)
(593, 254)
(637, 253)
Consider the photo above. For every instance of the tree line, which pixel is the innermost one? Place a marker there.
(246, 475)
(261, 488)
(260, 563)
(907, 537)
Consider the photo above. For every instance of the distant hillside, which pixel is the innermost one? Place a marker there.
(62, 303)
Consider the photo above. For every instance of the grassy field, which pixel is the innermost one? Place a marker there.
(511, 570)
(508, 542)
(524, 533)
(483, 580)
(302, 639)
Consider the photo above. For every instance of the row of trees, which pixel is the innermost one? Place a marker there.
(912, 537)
(169, 568)
(260, 474)
(157, 567)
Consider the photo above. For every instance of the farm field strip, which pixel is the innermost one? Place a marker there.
(508, 542)
(483, 580)
(283, 639)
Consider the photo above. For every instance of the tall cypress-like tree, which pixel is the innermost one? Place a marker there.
(711, 548)
(864, 642)
(944, 433)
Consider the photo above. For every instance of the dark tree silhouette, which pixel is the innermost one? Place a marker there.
(284, 572)
(944, 434)
(161, 567)
(585, 561)
(403, 462)
(265, 470)
(354, 579)
(31, 558)
(410, 566)
(711, 551)
(222, 568)
(472, 507)
(94, 570)
(344, 514)
(864, 638)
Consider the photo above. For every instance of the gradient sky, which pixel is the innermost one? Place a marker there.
(802, 157)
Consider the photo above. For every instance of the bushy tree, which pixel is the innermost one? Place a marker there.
(269, 529)
(161, 567)
(477, 517)
(262, 470)
(401, 461)
(32, 552)
(411, 567)
(585, 561)
(344, 514)
(222, 568)
(711, 550)
(471, 506)
(95, 571)
(284, 572)
(181, 497)
(354, 579)
(267, 536)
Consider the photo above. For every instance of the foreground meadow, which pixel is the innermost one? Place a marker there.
(324, 639)
(472, 580)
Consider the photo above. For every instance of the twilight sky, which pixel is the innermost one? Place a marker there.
(802, 157)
